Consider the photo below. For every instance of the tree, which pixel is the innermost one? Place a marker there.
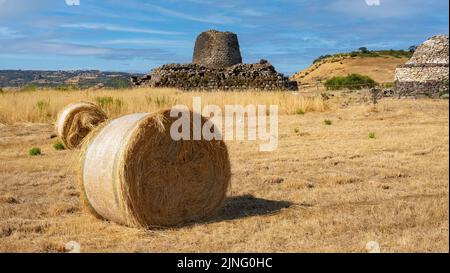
(412, 48)
(363, 49)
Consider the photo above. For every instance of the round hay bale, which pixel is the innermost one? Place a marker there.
(133, 173)
(76, 120)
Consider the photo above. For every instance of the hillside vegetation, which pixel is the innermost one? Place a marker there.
(352, 82)
(29, 80)
(378, 65)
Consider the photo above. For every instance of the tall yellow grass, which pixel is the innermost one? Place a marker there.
(42, 106)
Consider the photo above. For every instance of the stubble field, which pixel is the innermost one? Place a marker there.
(327, 188)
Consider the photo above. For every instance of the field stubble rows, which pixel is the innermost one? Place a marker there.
(326, 188)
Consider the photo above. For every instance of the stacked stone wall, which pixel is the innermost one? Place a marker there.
(190, 77)
(427, 72)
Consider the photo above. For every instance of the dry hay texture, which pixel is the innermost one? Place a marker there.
(133, 173)
(75, 122)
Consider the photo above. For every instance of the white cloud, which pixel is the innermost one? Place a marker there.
(28, 46)
(251, 12)
(7, 33)
(210, 19)
(4, 31)
(33, 47)
(156, 42)
(381, 9)
(95, 26)
(373, 2)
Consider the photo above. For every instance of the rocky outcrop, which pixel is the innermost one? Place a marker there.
(215, 49)
(259, 76)
(427, 72)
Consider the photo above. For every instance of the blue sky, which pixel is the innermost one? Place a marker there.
(137, 35)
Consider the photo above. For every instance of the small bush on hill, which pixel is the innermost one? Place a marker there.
(322, 58)
(59, 146)
(364, 52)
(352, 82)
(34, 151)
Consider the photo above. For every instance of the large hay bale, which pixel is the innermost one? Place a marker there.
(133, 173)
(76, 120)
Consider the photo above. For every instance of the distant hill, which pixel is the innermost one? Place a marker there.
(31, 79)
(378, 65)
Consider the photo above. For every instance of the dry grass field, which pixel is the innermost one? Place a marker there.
(327, 188)
(43, 106)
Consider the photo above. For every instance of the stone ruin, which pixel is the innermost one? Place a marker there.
(427, 72)
(217, 65)
(215, 49)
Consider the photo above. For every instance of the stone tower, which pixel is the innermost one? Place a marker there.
(426, 73)
(215, 49)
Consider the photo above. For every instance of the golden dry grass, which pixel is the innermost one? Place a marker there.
(381, 69)
(43, 106)
(325, 189)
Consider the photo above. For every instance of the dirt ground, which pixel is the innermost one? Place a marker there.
(327, 188)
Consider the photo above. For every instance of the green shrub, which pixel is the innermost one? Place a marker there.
(327, 122)
(364, 52)
(296, 130)
(352, 82)
(300, 111)
(34, 151)
(363, 49)
(372, 135)
(59, 146)
(321, 58)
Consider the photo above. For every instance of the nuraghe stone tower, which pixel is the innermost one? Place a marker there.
(217, 65)
(426, 73)
(215, 49)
